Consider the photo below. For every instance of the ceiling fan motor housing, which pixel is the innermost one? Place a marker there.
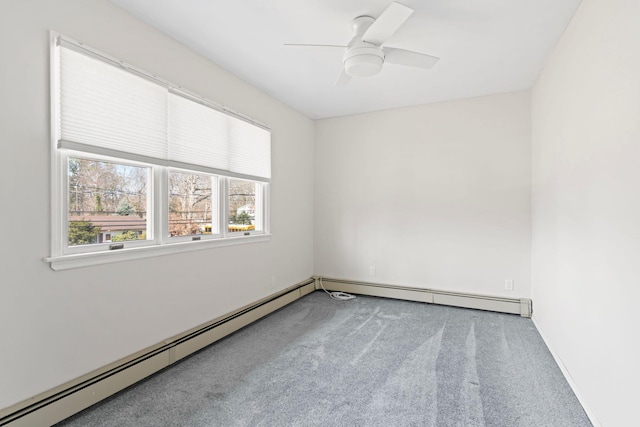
(363, 59)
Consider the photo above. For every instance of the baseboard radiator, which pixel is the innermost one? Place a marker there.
(521, 306)
(68, 399)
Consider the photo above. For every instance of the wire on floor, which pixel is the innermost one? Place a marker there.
(341, 296)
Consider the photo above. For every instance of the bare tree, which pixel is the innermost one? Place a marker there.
(189, 203)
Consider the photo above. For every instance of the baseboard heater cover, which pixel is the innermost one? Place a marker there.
(521, 306)
(55, 405)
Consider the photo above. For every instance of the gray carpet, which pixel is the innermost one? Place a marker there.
(364, 362)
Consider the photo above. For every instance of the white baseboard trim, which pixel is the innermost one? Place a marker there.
(521, 306)
(55, 405)
(568, 377)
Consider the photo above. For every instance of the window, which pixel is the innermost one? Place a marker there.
(139, 163)
(106, 202)
(191, 207)
(243, 216)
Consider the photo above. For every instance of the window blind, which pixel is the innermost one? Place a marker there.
(249, 149)
(198, 134)
(102, 105)
(107, 109)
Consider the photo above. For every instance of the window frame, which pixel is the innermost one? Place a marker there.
(152, 234)
(159, 243)
(215, 218)
(261, 196)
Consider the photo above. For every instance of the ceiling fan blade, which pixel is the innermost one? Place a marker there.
(314, 45)
(408, 58)
(388, 23)
(343, 79)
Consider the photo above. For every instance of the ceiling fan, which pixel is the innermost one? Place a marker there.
(365, 54)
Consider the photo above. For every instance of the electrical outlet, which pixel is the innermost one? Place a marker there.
(508, 284)
(372, 270)
(273, 282)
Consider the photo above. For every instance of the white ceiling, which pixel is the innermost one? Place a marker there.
(485, 46)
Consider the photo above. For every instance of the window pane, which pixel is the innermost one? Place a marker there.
(243, 215)
(190, 204)
(107, 202)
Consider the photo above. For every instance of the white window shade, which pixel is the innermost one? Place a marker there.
(105, 106)
(250, 149)
(122, 112)
(198, 134)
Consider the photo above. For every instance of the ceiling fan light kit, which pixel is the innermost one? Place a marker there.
(363, 61)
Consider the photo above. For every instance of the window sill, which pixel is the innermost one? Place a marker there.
(67, 262)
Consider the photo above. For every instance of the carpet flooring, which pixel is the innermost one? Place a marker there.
(363, 362)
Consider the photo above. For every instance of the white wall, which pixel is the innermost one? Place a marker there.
(434, 196)
(56, 326)
(586, 206)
